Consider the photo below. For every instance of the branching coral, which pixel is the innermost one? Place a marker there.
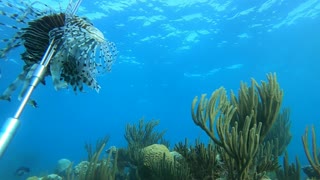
(267, 157)
(289, 172)
(265, 100)
(100, 169)
(95, 168)
(143, 134)
(280, 131)
(138, 137)
(241, 123)
(100, 144)
(203, 160)
(208, 111)
(313, 160)
(240, 144)
(176, 170)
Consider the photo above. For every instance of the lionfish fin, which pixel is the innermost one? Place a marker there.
(29, 75)
(82, 54)
(55, 69)
(72, 8)
(13, 16)
(6, 95)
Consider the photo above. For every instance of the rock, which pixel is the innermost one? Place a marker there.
(33, 178)
(81, 168)
(176, 155)
(51, 177)
(62, 166)
(310, 172)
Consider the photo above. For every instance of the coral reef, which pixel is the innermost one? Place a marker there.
(265, 100)
(267, 157)
(95, 168)
(289, 172)
(99, 169)
(203, 161)
(280, 131)
(154, 154)
(248, 133)
(48, 177)
(158, 163)
(166, 170)
(143, 134)
(313, 160)
(63, 166)
(141, 137)
(33, 178)
(147, 155)
(100, 145)
(241, 124)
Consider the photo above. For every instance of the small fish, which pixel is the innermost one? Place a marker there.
(0, 73)
(33, 103)
(22, 171)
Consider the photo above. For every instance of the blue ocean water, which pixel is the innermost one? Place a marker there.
(169, 52)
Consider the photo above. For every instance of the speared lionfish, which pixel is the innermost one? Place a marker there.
(82, 53)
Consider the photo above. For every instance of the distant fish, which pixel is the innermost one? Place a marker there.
(0, 73)
(22, 171)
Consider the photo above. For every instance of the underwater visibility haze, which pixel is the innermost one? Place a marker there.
(126, 65)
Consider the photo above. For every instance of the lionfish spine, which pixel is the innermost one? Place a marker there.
(6, 95)
(82, 54)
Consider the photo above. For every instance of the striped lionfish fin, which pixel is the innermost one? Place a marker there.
(27, 81)
(83, 53)
(6, 95)
(24, 78)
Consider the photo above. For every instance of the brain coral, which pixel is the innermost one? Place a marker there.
(154, 154)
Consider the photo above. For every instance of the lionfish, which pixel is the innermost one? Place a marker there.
(82, 52)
